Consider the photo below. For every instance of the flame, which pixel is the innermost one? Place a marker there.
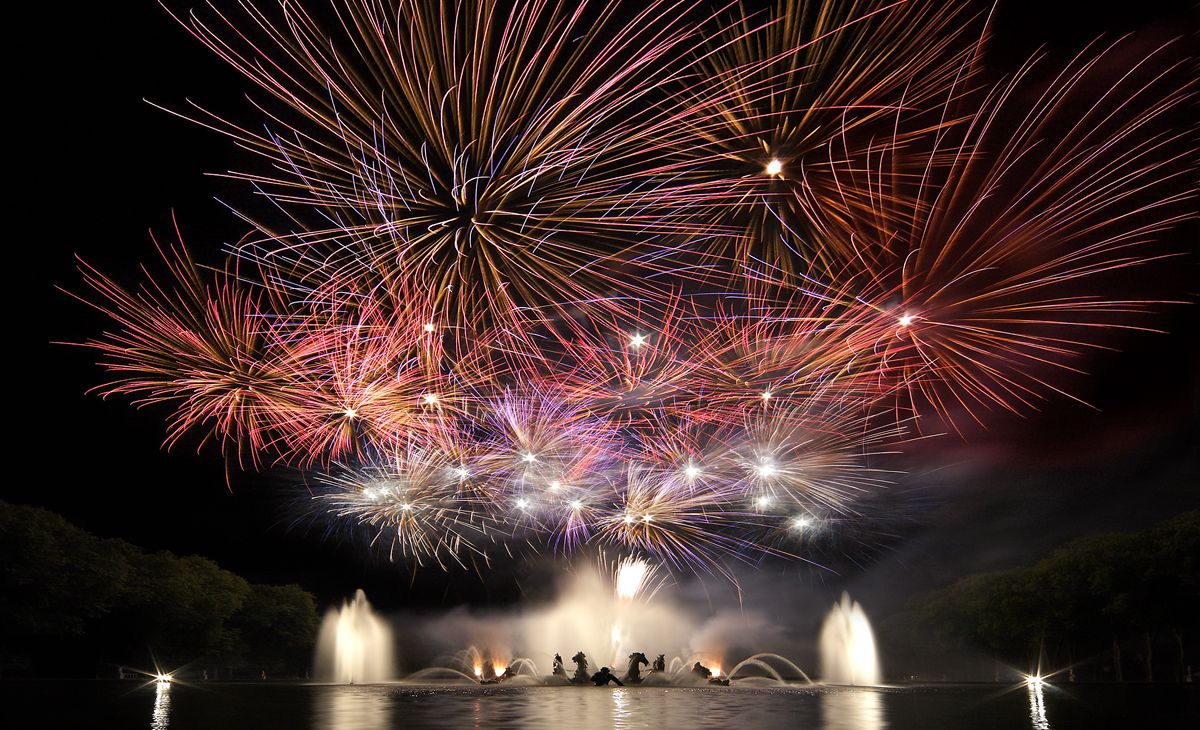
(478, 670)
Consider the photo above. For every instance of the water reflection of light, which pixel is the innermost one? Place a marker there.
(160, 718)
(352, 708)
(853, 710)
(621, 714)
(1037, 706)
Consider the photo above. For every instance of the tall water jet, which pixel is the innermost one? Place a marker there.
(355, 645)
(848, 653)
(606, 612)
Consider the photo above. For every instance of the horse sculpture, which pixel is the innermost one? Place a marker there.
(581, 675)
(634, 674)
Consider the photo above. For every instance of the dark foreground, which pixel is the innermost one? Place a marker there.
(221, 706)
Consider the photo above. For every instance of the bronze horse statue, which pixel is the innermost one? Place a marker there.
(634, 674)
(581, 675)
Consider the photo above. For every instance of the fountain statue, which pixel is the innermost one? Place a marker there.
(634, 673)
(607, 618)
(355, 645)
(848, 646)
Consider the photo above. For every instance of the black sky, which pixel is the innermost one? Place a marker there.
(98, 167)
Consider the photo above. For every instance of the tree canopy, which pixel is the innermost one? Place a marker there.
(70, 597)
(1087, 599)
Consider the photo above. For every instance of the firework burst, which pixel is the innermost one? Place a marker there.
(1011, 267)
(202, 345)
(781, 102)
(491, 168)
(412, 503)
(644, 278)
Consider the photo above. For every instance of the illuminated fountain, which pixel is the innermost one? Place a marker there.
(605, 615)
(766, 668)
(604, 612)
(355, 645)
(848, 653)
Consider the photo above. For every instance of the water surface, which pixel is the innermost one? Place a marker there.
(233, 706)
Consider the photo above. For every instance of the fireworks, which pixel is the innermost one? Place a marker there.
(643, 278)
(479, 154)
(1013, 263)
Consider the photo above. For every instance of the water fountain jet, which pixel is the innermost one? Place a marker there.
(848, 653)
(354, 645)
(763, 661)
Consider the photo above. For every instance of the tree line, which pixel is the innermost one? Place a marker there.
(1117, 607)
(73, 604)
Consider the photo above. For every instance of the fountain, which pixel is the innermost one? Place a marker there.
(848, 646)
(605, 615)
(606, 612)
(355, 645)
(765, 662)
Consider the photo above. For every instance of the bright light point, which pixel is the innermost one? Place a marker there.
(629, 519)
(766, 469)
(767, 395)
(162, 677)
(429, 327)
(716, 671)
(529, 458)
(430, 399)
(636, 341)
(774, 167)
(647, 518)
(691, 471)
(1034, 681)
(406, 507)
(762, 502)
(576, 504)
(462, 472)
(799, 523)
(631, 578)
(906, 320)
(350, 413)
(522, 503)
(555, 485)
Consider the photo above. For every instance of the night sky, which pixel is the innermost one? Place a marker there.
(99, 166)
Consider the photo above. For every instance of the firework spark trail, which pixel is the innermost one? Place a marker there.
(492, 165)
(555, 279)
(414, 502)
(780, 105)
(1010, 267)
(201, 346)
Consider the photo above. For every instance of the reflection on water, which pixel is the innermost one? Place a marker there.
(352, 708)
(376, 707)
(1037, 707)
(861, 710)
(114, 705)
(621, 716)
(160, 717)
